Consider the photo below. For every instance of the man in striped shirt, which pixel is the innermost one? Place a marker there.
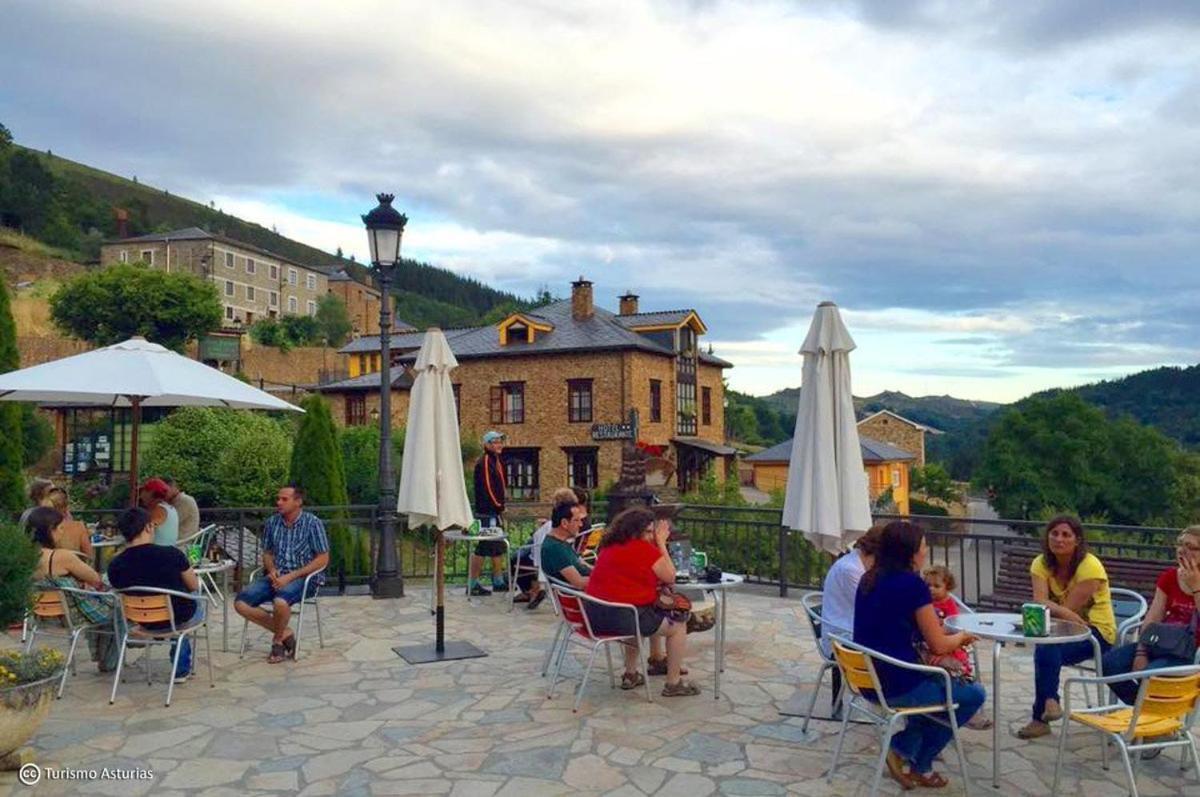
(294, 544)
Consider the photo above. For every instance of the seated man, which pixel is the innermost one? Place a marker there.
(294, 544)
(559, 559)
(527, 561)
(146, 564)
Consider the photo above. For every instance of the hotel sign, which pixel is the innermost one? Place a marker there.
(612, 431)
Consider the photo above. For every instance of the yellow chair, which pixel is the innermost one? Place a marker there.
(139, 606)
(1160, 718)
(861, 683)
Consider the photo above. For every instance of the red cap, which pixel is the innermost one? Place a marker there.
(156, 486)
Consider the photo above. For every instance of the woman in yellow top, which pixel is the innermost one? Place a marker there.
(1072, 583)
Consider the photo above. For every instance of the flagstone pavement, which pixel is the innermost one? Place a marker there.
(354, 719)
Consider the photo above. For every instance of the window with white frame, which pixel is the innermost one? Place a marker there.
(228, 288)
(251, 268)
(274, 271)
(293, 277)
(310, 281)
(895, 477)
(312, 307)
(249, 293)
(148, 256)
(124, 256)
(229, 260)
(274, 298)
(293, 304)
(228, 312)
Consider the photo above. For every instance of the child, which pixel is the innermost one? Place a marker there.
(941, 584)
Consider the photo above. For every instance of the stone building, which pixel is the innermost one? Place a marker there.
(901, 432)
(885, 465)
(253, 283)
(362, 302)
(569, 384)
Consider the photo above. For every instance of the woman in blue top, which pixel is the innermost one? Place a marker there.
(893, 612)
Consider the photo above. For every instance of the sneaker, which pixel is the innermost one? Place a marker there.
(183, 679)
(1034, 730)
(480, 591)
(500, 586)
(536, 600)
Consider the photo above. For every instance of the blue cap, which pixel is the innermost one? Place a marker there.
(492, 437)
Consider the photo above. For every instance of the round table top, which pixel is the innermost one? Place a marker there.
(484, 535)
(108, 542)
(1006, 627)
(728, 581)
(214, 567)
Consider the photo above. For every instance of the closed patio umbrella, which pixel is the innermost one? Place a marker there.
(134, 373)
(432, 488)
(827, 497)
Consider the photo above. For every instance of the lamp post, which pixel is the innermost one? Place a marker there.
(385, 226)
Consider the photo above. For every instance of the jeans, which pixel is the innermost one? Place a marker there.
(185, 655)
(1120, 660)
(260, 591)
(1048, 661)
(924, 737)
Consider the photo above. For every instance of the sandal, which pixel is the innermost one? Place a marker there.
(895, 767)
(681, 689)
(1034, 730)
(278, 653)
(980, 722)
(934, 780)
(289, 646)
(632, 680)
(659, 667)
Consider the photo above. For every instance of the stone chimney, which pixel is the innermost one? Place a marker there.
(581, 300)
(629, 303)
(122, 222)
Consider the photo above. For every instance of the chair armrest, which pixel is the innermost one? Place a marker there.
(89, 593)
(309, 577)
(174, 593)
(926, 669)
(1165, 672)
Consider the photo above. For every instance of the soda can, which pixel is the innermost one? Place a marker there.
(1035, 619)
(699, 561)
(193, 554)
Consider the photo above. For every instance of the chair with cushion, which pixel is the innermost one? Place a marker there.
(579, 632)
(51, 616)
(1161, 718)
(139, 606)
(857, 665)
(307, 599)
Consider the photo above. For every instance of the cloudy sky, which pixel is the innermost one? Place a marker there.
(1002, 196)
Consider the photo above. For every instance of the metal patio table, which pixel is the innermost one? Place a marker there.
(720, 593)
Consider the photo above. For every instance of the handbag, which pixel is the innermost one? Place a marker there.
(1170, 640)
(673, 605)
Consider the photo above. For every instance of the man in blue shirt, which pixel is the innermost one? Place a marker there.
(294, 544)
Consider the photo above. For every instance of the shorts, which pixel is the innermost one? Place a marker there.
(260, 591)
(490, 547)
(618, 621)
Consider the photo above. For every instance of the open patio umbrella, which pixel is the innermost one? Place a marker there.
(827, 497)
(134, 373)
(432, 488)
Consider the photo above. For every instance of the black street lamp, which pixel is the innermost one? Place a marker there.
(385, 227)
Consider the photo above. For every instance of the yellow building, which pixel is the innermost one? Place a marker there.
(886, 467)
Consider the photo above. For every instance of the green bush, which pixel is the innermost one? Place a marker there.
(37, 435)
(918, 507)
(317, 467)
(18, 558)
(219, 456)
(12, 479)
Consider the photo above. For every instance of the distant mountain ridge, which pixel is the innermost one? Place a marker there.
(945, 413)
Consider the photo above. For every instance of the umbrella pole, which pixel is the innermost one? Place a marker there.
(135, 420)
(440, 585)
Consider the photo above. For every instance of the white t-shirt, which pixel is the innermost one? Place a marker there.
(539, 537)
(837, 599)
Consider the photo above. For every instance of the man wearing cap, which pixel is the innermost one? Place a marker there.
(153, 498)
(489, 508)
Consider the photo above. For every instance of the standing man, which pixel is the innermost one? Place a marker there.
(489, 508)
(294, 544)
(185, 507)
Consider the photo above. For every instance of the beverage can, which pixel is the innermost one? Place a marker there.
(699, 561)
(473, 529)
(193, 554)
(1035, 619)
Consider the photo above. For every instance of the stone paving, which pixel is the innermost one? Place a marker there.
(354, 719)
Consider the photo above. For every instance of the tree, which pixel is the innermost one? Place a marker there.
(12, 480)
(333, 320)
(37, 435)
(934, 482)
(318, 468)
(118, 302)
(300, 330)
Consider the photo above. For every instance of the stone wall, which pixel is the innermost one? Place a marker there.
(362, 304)
(902, 435)
(301, 366)
(35, 350)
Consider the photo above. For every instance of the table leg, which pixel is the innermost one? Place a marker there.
(508, 571)
(225, 609)
(719, 642)
(996, 711)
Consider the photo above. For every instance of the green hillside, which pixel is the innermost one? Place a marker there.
(72, 206)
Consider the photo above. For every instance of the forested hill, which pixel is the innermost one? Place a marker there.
(1166, 398)
(72, 206)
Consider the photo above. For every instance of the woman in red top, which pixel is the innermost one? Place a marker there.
(1176, 601)
(631, 565)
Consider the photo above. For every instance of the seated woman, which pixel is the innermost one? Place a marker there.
(153, 498)
(1073, 585)
(59, 567)
(892, 612)
(1176, 602)
(633, 563)
(72, 533)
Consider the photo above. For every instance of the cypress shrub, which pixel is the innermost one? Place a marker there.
(12, 478)
(317, 467)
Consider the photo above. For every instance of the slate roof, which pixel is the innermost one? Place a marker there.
(400, 381)
(872, 451)
(197, 234)
(658, 319)
(406, 336)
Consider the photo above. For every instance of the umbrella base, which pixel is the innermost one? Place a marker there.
(427, 653)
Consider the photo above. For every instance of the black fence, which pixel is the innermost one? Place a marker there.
(747, 540)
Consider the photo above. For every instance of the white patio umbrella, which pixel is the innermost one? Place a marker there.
(134, 373)
(432, 488)
(827, 495)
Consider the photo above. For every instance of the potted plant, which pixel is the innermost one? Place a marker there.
(27, 680)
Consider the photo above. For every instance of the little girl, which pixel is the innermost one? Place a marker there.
(941, 584)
